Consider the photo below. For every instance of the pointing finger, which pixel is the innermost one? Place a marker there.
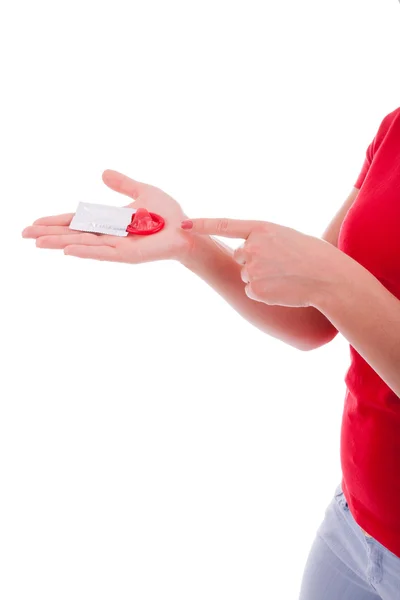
(232, 228)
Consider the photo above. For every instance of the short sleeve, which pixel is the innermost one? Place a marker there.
(375, 145)
(365, 167)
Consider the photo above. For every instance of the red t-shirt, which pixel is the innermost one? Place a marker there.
(370, 436)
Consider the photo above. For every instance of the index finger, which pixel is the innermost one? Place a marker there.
(232, 228)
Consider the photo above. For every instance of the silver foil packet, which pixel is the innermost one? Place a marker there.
(100, 218)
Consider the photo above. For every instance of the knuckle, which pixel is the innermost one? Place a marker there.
(253, 243)
(252, 274)
(44, 241)
(250, 291)
(261, 232)
(251, 248)
(257, 272)
(223, 225)
(240, 255)
(262, 228)
(256, 287)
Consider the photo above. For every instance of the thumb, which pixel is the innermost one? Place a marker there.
(123, 184)
(231, 228)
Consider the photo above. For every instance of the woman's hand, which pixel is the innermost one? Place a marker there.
(170, 243)
(280, 265)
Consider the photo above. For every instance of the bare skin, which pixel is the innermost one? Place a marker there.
(305, 328)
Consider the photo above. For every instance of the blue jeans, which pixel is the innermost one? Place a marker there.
(345, 564)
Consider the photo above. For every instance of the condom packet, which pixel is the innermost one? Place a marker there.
(100, 218)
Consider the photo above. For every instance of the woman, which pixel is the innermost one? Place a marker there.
(303, 290)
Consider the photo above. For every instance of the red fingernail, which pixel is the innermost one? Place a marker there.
(187, 224)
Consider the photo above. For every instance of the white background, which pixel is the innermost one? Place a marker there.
(154, 444)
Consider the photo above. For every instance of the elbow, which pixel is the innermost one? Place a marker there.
(306, 345)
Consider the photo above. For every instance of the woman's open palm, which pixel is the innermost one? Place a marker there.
(169, 243)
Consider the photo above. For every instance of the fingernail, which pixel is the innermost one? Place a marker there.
(187, 224)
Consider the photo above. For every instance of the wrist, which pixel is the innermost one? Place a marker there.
(198, 249)
(340, 286)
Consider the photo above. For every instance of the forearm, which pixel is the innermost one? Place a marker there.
(368, 316)
(302, 328)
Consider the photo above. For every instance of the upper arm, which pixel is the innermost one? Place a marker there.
(331, 233)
